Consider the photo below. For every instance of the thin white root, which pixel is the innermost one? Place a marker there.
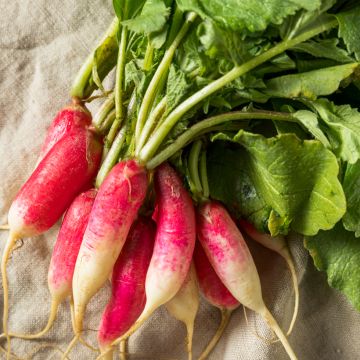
(285, 253)
(11, 354)
(225, 318)
(52, 317)
(7, 250)
(70, 347)
(43, 346)
(122, 349)
(189, 339)
(270, 341)
(92, 348)
(266, 314)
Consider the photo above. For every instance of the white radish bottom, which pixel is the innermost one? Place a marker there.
(225, 318)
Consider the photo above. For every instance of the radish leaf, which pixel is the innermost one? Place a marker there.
(351, 185)
(297, 179)
(253, 15)
(337, 252)
(310, 84)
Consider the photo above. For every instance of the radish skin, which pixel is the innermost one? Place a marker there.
(215, 293)
(67, 168)
(231, 259)
(185, 305)
(128, 284)
(115, 209)
(279, 245)
(174, 243)
(64, 256)
(71, 119)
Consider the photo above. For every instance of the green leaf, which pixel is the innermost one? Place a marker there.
(351, 185)
(253, 15)
(105, 57)
(337, 252)
(342, 128)
(177, 87)
(126, 9)
(220, 43)
(326, 48)
(234, 187)
(310, 121)
(349, 30)
(152, 18)
(310, 84)
(298, 179)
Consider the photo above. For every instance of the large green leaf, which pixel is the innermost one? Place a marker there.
(349, 29)
(351, 185)
(297, 179)
(152, 18)
(310, 84)
(255, 15)
(230, 182)
(337, 252)
(310, 121)
(325, 48)
(342, 128)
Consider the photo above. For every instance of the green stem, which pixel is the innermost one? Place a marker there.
(187, 136)
(103, 112)
(148, 59)
(81, 81)
(162, 69)
(119, 92)
(151, 121)
(194, 166)
(203, 175)
(148, 151)
(108, 121)
(111, 157)
(177, 20)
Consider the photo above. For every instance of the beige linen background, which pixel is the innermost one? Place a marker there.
(42, 45)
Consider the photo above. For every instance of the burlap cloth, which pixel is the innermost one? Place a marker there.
(43, 43)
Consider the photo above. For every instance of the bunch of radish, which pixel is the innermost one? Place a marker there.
(106, 174)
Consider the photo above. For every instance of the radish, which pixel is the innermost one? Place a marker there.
(66, 169)
(279, 245)
(215, 293)
(69, 120)
(233, 263)
(115, 209)
(64, 255)
(185, 304)
(128, 284)
(174, 243)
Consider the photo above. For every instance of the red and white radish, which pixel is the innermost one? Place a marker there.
(128, 284)
(64, 255)
(174, 243)
(231, 259)
(67, 168)
(115, 209)
(69, 120)
(215, 293)
(279, 245)
(185, 305)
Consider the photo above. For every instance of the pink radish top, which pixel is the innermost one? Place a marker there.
(175, 236)
(128, 283)
(68, 243)
(69, 120)
(115, 208)
(228, 254)
(210, 284)
(67, 168)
